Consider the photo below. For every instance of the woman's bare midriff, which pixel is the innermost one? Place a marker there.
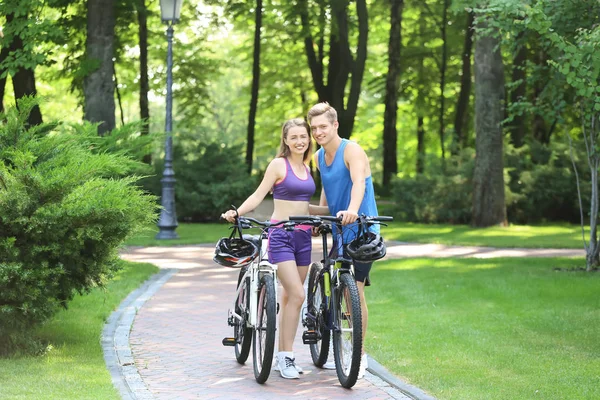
(283, 209)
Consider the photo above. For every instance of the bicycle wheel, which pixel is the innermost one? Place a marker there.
(347, 335)
(242, 333)
(264, 332)
(316, 317)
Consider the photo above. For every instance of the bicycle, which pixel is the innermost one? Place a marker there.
(333, 301)
(254, 314)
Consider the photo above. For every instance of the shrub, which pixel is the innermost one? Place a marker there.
(210, 178)
(64, 212)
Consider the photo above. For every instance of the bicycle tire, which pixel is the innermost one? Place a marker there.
(317, 307)
(347, 335)
(264, 332)
(242, 333)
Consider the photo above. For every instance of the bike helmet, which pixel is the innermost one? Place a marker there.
(234, 252)
(367, 247)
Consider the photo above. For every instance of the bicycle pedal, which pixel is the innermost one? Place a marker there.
(228, 341)
(310, 337)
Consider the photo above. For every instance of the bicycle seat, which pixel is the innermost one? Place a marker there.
(252, 238)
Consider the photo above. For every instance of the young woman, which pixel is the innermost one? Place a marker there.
(289, 178)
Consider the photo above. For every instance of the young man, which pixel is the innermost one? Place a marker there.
(347, 187)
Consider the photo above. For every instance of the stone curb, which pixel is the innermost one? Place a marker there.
(115, 339)
(378, 371)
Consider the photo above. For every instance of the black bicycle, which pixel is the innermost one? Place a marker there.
(333, 301)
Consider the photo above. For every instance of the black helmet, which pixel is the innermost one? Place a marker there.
(234, 252)
(367, 247)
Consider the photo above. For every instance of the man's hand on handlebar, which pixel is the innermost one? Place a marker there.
(347, 216)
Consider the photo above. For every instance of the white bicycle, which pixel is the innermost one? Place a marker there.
(254, 313)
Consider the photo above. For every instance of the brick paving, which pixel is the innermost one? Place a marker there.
(176, 338)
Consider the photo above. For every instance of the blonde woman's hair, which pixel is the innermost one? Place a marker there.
(284, 150)
(322, 109)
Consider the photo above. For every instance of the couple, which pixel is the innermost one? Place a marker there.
(347, 191)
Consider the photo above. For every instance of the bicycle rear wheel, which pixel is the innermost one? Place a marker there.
(316, 317)
(242, 333)
(347, 335)
(264, 332)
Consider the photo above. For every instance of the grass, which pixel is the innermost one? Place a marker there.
(73, 367)
(544, 236)
(488, 329)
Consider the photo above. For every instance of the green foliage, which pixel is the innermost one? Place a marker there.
(544, 182)
(64, 212)
(210, 178)
(540, 187)
(437, 197)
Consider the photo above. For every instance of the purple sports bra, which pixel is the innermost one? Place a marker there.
(293, 188)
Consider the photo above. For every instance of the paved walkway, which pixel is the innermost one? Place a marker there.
(164, 342)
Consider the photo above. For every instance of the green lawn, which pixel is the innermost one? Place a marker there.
(488, 329)
(74, 366)
(546, 236)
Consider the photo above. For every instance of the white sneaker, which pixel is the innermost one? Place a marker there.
(329, 365)
(287, 368)
(298, 368)
(363, 366)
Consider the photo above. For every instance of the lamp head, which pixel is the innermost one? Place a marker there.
(170, 10)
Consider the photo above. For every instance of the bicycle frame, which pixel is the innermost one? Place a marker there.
(257, 268)
(332, 268)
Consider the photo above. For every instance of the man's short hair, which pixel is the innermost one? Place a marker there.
(322, 109)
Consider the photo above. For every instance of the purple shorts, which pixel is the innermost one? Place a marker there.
(293, 245)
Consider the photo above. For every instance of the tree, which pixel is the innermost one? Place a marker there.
(390, 132)
(344, 67)
(488, 176)
(142, 16)
(98, 85)
(462, 104)
(20, 56)
(255, 85)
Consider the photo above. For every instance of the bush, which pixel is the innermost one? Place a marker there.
(210, 178)
(540, 186)
(437, 197)
(64, 212)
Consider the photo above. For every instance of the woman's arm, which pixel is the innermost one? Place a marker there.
(275, 171)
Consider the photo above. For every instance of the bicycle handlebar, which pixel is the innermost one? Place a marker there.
(265, 224)
(316, 220)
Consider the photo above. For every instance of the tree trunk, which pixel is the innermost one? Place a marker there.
(443, 68)
(98, 85)
(420, 145)
(255, 86)
(488, 176)
(390, 133)
(342, 67)
(24, 79)
(462, 105)
(3, 55)
(517, 126)
(142, 15)
(540, 127)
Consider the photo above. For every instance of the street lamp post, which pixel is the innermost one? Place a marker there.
(170, 11)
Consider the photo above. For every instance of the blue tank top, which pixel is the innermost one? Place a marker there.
(293, 188)
(338, 187)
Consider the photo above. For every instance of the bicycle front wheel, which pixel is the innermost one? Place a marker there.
(242, 333)
(264, 332)
(316, 316)
(347, 334)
